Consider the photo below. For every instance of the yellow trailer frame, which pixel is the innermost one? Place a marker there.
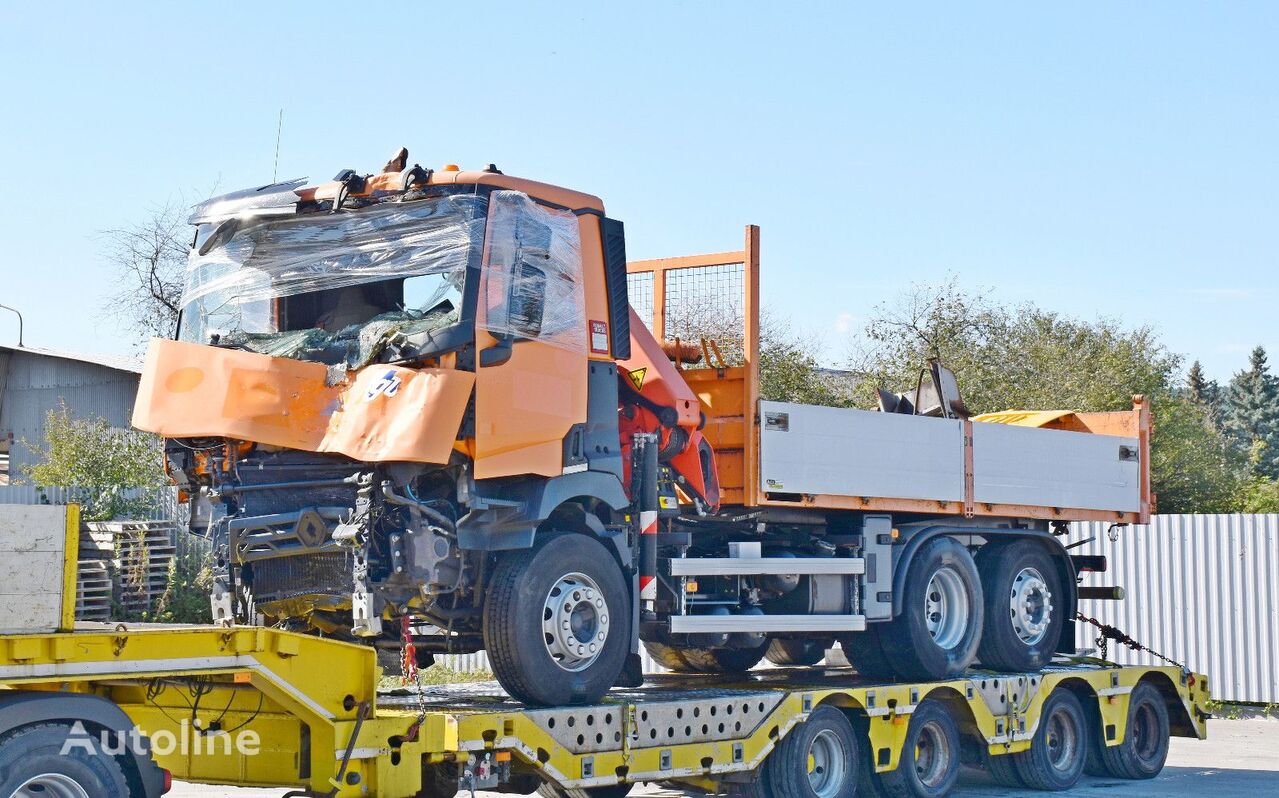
(323, 726)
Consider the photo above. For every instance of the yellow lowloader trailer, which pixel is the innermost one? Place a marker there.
(114, 711)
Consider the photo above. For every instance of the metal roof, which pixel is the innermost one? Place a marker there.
(129, 363)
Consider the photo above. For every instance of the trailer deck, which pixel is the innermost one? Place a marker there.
(323, 726)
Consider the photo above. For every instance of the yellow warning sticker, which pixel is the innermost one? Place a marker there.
(667, 502)
(637, 377)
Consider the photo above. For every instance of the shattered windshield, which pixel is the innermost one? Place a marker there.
(333, 287)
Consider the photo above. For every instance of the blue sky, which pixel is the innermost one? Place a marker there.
(1112, 159)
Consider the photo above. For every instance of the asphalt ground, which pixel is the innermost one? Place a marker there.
(1240, 759)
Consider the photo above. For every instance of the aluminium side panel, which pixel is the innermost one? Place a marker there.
(1055, 468)
(846, 452)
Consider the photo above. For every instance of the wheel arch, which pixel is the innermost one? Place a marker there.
(508, 513)
(20, 709)
(1180, 723)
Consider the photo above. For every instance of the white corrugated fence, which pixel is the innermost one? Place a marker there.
(1201, 590)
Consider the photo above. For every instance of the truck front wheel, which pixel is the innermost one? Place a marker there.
(557, 621)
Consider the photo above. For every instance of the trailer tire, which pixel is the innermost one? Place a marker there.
(1145, 747)
(548, 790)
(1056, 757)
(819, 758)
(797, 651)
(929, 765)
(865, 652)
(1025, 606)
(32, 759)
(939, 629)
(705, 660)
(1003, 770)
(548, 653)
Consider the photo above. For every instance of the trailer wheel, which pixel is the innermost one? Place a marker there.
(865, 652)
(937, 634)
(1145, 747)
(1003, 770)
(818, 759)
(1024, 600)
(929, 765)
(797, 651)
(548, 790)
(1057, 754)
(704, 660)
(557, 621)
(37, 762)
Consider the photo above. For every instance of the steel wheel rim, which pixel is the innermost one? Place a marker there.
(575, 622)
(932, 755)
(1144, 732)
(50, 785)
(1030, 605)
(1062, 739)
(946, 610)
(826, 770)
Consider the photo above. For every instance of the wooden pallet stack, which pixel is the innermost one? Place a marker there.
(138, 555)
(93, 590)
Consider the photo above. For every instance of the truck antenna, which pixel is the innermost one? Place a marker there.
(279, 127)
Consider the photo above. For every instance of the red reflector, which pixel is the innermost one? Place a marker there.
(168, 781)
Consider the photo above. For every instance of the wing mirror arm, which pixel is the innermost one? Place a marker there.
(498, 353)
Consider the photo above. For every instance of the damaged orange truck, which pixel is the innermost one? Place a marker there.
(441, 404)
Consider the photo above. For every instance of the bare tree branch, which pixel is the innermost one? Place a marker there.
(150, 269)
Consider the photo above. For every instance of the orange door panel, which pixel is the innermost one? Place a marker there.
(525, 407)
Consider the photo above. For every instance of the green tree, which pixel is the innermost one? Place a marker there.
(1028, 358)
(1251, 414)
(1200, 389)
(114, 471)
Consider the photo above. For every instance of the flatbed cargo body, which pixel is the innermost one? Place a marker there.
(322, 723)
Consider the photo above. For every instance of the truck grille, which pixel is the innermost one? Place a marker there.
(318, 574)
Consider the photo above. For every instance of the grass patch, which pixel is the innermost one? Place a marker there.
(1242, 711)
(437, 675)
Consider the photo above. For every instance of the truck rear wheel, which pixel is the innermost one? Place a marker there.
(1024, 600)
(705, 660)
(1145, 747)
(937, 634)
(865, 653)
(818, 759)
(46, 761)
(557, 621)
(797, 651)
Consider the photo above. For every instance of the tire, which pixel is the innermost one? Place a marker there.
(548, 790)
(1055, 760)
(1025, 603)
(33, 759)
(1003, 770)
(705, 660)
(929, 765)
(943, 590)
(865, 652)
(1145, 747)
(819, 758)
(797, 651)
(548, 653)
(439, 781)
